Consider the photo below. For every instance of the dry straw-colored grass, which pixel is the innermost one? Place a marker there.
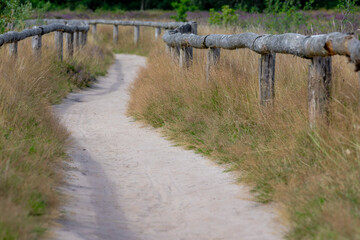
(312, 174)
(125, 42)
(31, 139)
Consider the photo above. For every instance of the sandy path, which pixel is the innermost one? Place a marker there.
(127, 182)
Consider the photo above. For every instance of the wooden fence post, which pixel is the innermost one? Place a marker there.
(213, 57)
(267, 78)
(194, 27)
(186, 56)
(136, 34)
(186, 53)
(13, 49)
(175, 54)
(59, 44)
(85, 37)
(36, 44)
(77, 40)
(319, 89)
(69, 44)
(184, 59)
(168, 49)
(157, 33)
(82, 36)
(93, 30)
(116, 34)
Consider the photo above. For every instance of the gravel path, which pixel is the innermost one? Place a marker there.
(127, 182)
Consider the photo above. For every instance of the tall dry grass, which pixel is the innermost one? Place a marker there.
(31, 139)
(313, 174)
(125, 42)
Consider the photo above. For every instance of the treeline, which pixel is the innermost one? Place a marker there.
(249, 5)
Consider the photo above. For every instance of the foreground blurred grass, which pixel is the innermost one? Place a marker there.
(31, 139)
(312, 174)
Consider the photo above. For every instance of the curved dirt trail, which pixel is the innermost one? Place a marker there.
(127, 182)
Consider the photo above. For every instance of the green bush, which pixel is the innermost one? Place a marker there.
(12, 14)
(181, 7)
(226, 17)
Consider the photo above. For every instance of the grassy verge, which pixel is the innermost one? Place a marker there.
(31, 139)
(312, 174)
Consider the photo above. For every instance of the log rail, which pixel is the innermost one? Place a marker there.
(12, 38)
(94, 22)
(181, 38)
(317, 48)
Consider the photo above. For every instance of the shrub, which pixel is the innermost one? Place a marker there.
(181, 7)
(226, 17)
(12, 14)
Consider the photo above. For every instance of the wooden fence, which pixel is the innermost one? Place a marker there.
(317, 48)
(137, 24)
(182, 38)
(73, 33)
(76, 33)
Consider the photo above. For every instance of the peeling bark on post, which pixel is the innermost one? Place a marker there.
(59, 44)
(157, 33)
(319, 89)
(36, 45)
(213, 57)
(267, 78)
(115, 34)
(13, 49)
(136, 34)
(69, 44)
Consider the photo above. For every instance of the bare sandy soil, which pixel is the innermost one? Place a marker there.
(127, 182)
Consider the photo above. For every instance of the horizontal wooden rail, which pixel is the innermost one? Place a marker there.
(72, 31)
(323, 45)
(318, 48)
(11, 37)
(166, 25)
(182, 38)
(115, 23)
